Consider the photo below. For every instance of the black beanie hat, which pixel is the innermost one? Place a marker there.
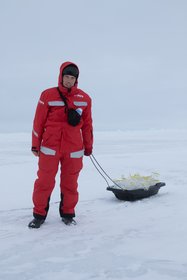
(71, 70)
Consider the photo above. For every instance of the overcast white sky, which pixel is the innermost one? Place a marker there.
(132, 57)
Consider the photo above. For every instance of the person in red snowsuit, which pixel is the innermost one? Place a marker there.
(55, 141)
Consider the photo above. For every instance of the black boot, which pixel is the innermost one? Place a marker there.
(68, 221)
(36, 223)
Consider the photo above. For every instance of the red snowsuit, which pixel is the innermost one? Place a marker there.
(59, 142)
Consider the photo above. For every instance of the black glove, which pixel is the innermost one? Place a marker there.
(88, 152)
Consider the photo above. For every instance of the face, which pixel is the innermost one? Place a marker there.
(68, 81)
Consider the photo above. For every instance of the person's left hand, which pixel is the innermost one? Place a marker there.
(88, 152)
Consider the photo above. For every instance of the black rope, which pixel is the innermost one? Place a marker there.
(99, 171)
(97, 166)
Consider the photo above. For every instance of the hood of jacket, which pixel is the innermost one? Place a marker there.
(63, 89)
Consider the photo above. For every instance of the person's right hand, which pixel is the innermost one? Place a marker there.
(36, 153)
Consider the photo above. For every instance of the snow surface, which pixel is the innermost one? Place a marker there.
(113, 239)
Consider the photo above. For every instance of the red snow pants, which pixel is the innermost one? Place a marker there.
(44, 184)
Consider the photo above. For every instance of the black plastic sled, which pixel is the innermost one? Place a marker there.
(132, 195)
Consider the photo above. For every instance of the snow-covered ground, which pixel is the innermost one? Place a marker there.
(113, 239)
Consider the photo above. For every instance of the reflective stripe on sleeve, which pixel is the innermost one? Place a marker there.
(47, 151)
(77, 154)
(56, 103)
(41, 102)
(79, 103)
(35, 133)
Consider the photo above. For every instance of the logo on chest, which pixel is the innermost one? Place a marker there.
(79, 95)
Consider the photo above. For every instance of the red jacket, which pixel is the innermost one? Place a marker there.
(51, 129)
